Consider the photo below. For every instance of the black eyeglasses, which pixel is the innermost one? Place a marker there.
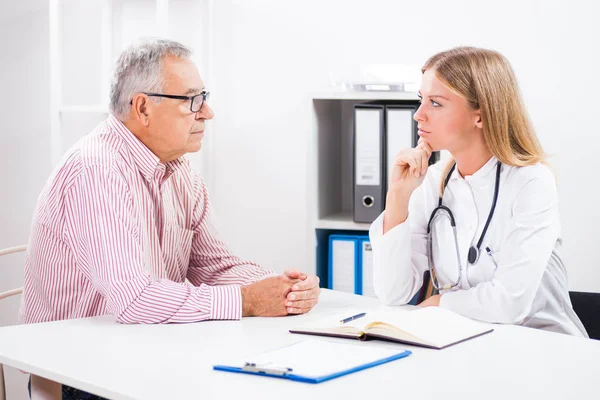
(196, 101)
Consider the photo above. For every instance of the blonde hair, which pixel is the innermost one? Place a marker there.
(486, 79)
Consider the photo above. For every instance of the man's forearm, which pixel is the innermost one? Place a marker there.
(166, 301)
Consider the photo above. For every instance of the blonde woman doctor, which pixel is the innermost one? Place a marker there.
(485, 223)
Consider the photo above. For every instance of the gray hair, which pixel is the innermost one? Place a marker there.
(139, 69)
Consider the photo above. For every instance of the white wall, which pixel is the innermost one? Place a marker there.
(25, 150)
(266, 57)
(270, 55)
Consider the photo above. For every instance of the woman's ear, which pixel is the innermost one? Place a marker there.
(478, 122)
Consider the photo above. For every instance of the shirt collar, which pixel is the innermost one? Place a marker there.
(147, 162)
(481, 175)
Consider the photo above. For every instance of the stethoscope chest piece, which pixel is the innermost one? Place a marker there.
(473, 256)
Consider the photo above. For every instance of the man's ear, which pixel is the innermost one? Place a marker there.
(478, 121)
(139, 106)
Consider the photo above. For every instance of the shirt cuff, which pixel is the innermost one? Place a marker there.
(391, 237)
(269, 274)
(226, 302)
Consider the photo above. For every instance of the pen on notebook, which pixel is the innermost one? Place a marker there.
(343, 321)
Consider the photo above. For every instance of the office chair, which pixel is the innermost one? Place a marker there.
(5, 295)
(41, 388)
(587, 308)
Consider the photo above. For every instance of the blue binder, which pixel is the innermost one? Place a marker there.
(306, 346)
(356, 243)
(348, 279)
(365, 276)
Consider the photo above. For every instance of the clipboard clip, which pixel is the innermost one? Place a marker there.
(266, 369)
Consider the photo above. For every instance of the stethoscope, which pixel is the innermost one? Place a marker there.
(474, 251)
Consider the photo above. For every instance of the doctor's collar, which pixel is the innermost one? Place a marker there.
(482, 174)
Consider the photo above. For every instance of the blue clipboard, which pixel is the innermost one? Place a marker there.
(288, 373)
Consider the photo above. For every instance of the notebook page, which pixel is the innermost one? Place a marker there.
(317, 358)
(333, 323)
(439, 326)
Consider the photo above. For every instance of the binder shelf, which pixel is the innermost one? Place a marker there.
(331, 163)
(332, 156)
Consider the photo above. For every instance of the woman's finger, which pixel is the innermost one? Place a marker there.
(424, 162)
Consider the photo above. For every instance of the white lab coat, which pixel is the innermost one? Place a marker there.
(524, 280)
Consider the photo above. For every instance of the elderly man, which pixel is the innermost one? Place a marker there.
(123, 221)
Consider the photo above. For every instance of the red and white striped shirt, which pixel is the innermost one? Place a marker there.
(117, 231)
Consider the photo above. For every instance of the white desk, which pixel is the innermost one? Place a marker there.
(175, 361)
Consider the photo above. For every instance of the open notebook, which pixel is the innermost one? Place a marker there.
(432, 327)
